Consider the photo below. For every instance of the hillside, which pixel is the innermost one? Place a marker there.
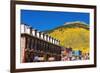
(75, 35)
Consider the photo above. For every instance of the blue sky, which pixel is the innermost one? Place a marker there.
(47, 20)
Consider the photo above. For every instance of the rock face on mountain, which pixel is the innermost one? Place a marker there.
(73, 34)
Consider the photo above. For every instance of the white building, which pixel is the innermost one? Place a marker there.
(28, 30)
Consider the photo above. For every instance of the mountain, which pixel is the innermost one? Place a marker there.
(76, 24)
(73, 34)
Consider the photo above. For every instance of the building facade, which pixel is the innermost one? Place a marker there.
(37, 46)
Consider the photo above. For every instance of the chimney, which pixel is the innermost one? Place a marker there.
(42, 35)
(53, 41)
(33, 32)
(58, 42)
(38, 34)
(27, 29)
(22, 28)
(48, 38)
